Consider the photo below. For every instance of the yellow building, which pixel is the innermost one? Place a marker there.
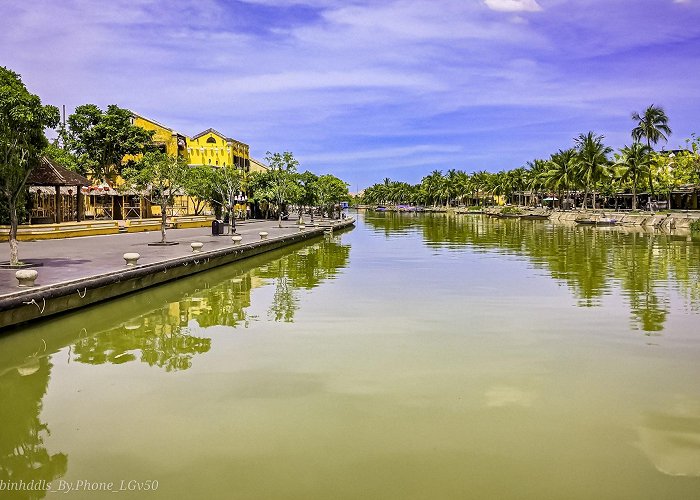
(210, 148)
(215, 149)
(257, 166)
(167, 140)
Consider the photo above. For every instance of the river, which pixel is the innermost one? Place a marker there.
(415, 356)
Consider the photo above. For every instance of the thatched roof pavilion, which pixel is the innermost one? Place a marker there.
(50, 174)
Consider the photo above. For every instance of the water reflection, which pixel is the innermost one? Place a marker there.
(167, 337)
(163, 327)
(593, 262)
(304, 269)
(23, 454)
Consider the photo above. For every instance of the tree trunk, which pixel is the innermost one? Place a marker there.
(634, 196)
(651, 181)
(163, 216)
(14, 251)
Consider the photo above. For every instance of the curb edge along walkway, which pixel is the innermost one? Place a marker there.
(23, 305)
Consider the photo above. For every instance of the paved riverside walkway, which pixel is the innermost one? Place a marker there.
(82, 257)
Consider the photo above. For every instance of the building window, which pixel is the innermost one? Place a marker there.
(211, 140)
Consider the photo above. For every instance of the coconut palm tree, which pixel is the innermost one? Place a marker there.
(591, 161)
(480, 181)
(432, 186)
(652, 125)
(463, 187)
(517, 179)
(633, 164)
(535, 178)
(560, 175)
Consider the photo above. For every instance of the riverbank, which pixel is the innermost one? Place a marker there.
(667, 221)
(77, 272)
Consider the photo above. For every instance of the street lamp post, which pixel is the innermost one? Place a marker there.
(233, 215)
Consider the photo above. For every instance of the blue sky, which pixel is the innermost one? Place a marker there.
(371, 89)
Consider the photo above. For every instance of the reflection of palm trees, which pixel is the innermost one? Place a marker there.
(23, 455)
(590, 261)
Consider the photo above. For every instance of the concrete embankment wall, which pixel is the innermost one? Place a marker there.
(661, 221)
(41, 302)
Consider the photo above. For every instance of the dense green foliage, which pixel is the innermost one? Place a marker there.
(281, 185)
(586, 169)
(101, 139)
(22, 140)
(160, 178)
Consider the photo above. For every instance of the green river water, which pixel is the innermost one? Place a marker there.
(415, 356)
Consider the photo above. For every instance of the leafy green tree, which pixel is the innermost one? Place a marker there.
(227, 183)
(308, 194)
(652, 125)
(634, 163)
(686, 164)
(62, 157)
(162, 177)
(199, 184)
(101, 139)
(331, 191)
(281, 186)
(22, 122)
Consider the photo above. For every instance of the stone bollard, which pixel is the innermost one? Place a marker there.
(26, 277)
(196, 246)
(131, 258)
(263, 235)
(302, 227)
(236, 239)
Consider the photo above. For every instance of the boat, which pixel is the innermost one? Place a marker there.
(534, 217)
(508, 216)
(380, 208)
(603, 221)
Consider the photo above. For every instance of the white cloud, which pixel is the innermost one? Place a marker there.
(513, 5)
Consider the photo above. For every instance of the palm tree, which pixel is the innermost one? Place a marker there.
(480, 182)
(517, 178)
(653, 126)
(591, 160)
(534, 178)
(634, 163)
(561, 172)
(432, 186)
(463, 186)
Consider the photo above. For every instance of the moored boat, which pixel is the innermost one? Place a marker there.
(534, 216)
(603, 221)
